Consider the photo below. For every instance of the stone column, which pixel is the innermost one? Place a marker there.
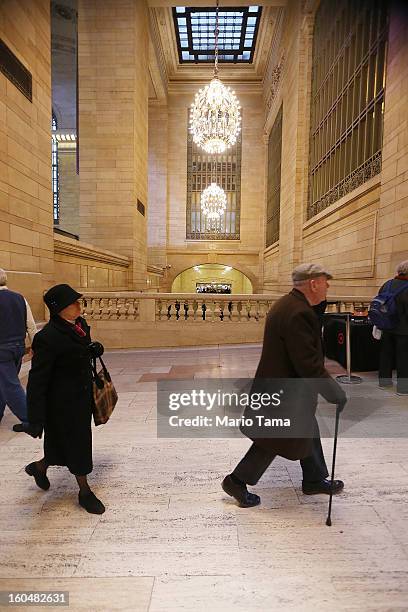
(158, 158)
(392, 237)
(113, 124)
(297, 44)
(26, 218)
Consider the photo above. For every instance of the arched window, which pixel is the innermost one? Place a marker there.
(347, 105)
(202, 168)
(54, 170)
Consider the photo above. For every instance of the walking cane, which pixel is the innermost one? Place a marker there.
(336, 431)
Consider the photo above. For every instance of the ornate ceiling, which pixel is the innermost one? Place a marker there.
(168, 75)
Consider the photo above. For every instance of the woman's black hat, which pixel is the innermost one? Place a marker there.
(59, 297)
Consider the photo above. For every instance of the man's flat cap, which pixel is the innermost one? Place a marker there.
(307, 271)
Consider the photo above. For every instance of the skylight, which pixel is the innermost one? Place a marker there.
(237, 38)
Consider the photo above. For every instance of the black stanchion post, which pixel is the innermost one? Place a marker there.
(349, 378)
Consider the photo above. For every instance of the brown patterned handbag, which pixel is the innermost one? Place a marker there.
(104, 394)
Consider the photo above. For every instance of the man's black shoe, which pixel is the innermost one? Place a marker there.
(91, 503)
(40, 478)
(244, 498)
(322, 486)
(19, 427)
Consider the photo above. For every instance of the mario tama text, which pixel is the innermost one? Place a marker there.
(226, 421)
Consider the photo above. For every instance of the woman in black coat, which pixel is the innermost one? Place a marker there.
(59, 394)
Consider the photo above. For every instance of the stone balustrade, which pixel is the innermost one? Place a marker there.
(133, 319)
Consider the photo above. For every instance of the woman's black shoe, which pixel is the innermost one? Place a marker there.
(240, 493)
(322, 486)
(40, 478)
(91, 503)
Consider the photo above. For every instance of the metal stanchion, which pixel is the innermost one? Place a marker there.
(349, 378)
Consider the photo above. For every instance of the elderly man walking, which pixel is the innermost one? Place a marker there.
(292, 349)
(16, 320)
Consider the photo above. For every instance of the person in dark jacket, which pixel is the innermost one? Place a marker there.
(292, 349)
(394, 343)
(59, 394)
(16, 321)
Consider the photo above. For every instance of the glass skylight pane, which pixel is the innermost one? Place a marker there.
(196, 32)
(246, 55)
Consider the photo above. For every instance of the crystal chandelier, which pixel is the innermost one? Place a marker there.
(213, 202)
(215, 119)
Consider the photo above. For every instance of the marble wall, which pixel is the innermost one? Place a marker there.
(362, 236)
(113, 128)
(26, 239)
(68, 190)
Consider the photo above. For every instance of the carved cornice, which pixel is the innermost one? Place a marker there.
(275, 81)
(155, 269)
(157, 60)
(83, 251)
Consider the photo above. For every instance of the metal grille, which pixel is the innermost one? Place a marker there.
(54, 172)
(15, 71)
(274, 181)
(347, 103)
(203, 169)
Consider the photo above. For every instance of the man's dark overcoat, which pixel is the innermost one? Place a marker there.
(59, 394)
(292, 349)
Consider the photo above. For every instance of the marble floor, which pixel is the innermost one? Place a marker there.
(171, 540)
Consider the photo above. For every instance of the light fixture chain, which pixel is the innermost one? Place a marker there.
(216, 33)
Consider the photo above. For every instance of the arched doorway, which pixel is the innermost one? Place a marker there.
(212, 278)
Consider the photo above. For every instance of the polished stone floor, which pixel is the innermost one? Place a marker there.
(171, 540)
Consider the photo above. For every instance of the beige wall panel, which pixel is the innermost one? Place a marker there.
(271, 269)
(87, 267)
(158, 151)
(25, 159)
(113, 120)
(119, 334)
(68, 191)
(393, 213)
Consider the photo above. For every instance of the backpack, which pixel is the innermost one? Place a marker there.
(383, 309)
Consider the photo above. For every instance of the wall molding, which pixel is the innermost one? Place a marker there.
(88, 252)
(366, 272)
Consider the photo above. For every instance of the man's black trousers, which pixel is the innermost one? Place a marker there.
(257, 460)
(394, 351)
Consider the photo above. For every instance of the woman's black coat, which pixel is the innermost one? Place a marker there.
(59, 394)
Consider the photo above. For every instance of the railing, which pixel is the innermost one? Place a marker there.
(175, 307)
(112, 307)
(187, 307)
(213, 307)
(132, 319)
